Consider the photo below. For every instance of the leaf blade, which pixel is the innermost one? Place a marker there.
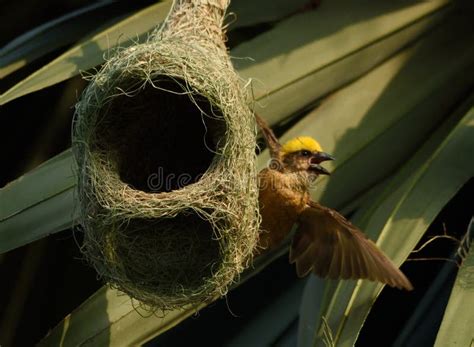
(128, 325)
(386, 109)
(71, 63)
(56, 33)
(420, 196)
(297, 90)
(321, 56)
(456, 326)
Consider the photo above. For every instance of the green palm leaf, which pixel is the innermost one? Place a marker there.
(325, 60)
(400, 217)
(59, 32)
(298, 95)
(90, 53)
(456, 327)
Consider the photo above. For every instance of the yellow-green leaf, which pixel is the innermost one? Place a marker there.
(375, 123)
(89, 53)
(396, 33)
(51, 184)
(33, 211)
(456, 327)
(100, 320)
(57, 33)
(399, 219)
(311, 54)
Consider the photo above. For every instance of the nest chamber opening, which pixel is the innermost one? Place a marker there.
(161, 138)
(151, 263)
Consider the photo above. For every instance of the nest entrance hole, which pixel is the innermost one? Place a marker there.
(162, 256)
(160, 139)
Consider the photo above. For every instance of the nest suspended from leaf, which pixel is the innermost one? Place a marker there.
(165, 145)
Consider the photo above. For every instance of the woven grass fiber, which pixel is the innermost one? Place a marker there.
(164, 141)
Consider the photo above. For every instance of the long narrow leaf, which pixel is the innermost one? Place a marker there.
(56, 33)
(38, 203)
(316, 52)
(89, 53)
(109, 317)
(399, 221)
(249, 13)
(266, 327)
(112, 323)
(21, 219)
(385, 115)
(105, 328)
(377, 209)
(456, 327)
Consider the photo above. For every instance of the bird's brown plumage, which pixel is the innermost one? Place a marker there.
(325, 243)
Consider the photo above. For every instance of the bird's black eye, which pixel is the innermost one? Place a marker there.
(305, 153)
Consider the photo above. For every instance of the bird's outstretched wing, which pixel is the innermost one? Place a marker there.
(331, 247)
(272, 142)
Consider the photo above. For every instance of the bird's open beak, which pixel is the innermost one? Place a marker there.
(318, 158)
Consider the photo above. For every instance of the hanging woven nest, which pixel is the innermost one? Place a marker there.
(165, 145)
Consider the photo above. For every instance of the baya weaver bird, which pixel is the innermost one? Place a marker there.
(325, 243)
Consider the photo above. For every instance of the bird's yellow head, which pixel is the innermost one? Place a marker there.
(304, 153)
(301, 143)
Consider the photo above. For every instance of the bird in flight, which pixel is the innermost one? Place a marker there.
(325, 243)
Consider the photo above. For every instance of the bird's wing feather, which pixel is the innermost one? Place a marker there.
(331, 247)
(273, 144)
